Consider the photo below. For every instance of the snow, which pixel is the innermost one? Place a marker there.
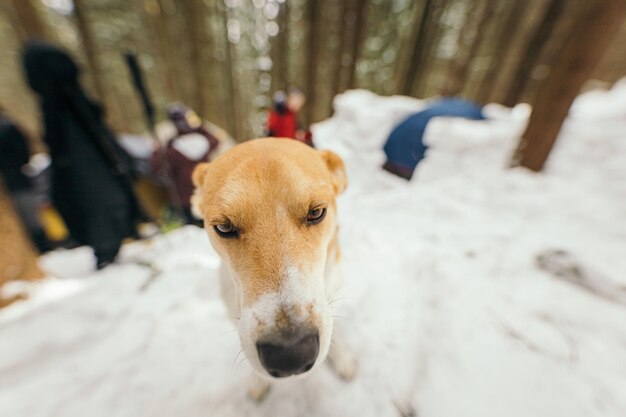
(444, 302)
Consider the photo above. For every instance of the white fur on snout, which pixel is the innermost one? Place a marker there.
(299, 296)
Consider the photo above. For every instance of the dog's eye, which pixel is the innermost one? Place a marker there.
(226, 230)
(316, 215)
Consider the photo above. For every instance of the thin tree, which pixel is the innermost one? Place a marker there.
(422, 43)
(501, 42)
(232, 115)
(533, 51)
(528, 22)
(215, 96)
(589, 38)
(31, 25)
(161, 28)
(417, 42)
(284, 26)
(18, 258)
(313, 14)
(460, 66)
(611, 66)
(429, 67)
(359, 33)
(280, 49)
(90, 48)
(342, 55)
(193, 12)
(345, 23)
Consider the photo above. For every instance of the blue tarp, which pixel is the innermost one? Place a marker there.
(405, 147)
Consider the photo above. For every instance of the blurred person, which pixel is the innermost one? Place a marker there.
(405, 147)
(191, 145)
(91, 186)
(15, 169)
(282, 121)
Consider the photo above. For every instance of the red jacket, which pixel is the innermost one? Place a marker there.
(282, 125)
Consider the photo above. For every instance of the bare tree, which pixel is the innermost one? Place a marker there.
(161, 28)
(527, 22)
(280, 50)
(418, 42)
(501, 41)
(358, 39)
(90, 49)
(323, 46)
(313, 12)
(423, 42)
(611, 66)
(18, 259)
(352, 17)
(233, 117)
(460, 65)
(589, 38)
(31, 25)
(531, 54)
(341, 54)
(194, 13)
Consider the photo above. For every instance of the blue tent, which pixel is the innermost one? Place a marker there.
(405, 147)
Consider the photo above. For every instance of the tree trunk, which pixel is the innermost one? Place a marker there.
(232, 115)
(193, 12)
(428, 67)
(596, 26)
(313, 17)
(163, 34)
(418, 44)
(509, 25)
(422, 44)
(528, 22)
(359, 33)
(460, 66)
(341, 56)
(18, 258)
(90, 49)
(213, 96)
(31, 26)
(532, 52)
(284, 45)
(280, 50)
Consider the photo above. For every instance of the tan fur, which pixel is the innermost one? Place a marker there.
(266, 188)
(278, 274)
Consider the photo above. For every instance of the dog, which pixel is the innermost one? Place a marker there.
(269, 207)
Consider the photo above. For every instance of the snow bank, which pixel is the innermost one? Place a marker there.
(443, 301)
(602, 105)
(362, 122)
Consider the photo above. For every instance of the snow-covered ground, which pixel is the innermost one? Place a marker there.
(444, 301)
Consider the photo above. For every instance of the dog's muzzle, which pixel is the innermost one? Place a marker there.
(287, 353)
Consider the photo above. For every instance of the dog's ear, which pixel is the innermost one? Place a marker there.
(199, 173)
(198, 177)
(337, 169)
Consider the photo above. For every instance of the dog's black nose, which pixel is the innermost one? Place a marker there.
(288, 355)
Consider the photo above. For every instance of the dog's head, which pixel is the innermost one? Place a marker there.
(269, 208)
